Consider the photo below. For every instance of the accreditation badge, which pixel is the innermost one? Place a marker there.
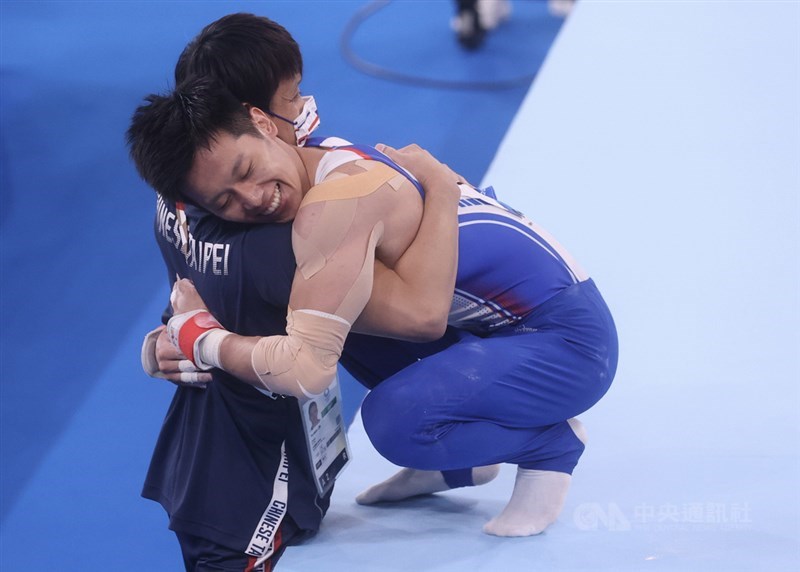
(326, 437)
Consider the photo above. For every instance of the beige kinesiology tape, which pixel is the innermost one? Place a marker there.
(354, 186)
(336, 201)
(302, 363)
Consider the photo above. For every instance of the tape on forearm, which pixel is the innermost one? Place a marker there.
(302, 363)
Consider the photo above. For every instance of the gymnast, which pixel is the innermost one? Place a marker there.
(536, 343)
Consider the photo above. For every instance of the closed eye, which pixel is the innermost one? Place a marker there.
(295, 97)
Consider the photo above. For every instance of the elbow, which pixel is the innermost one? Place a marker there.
(301, 383)
(300, 370)
(316, 384)
(430, 326)
(436, 330)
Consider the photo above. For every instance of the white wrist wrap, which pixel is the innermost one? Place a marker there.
(206, 349)
(303, 362)
(186, 329)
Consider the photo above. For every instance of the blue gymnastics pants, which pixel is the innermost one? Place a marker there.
(504, 398)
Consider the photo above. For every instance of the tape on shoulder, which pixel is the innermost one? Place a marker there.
(352, 187)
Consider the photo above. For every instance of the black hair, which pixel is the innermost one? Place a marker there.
(248, 54)
(166, 133)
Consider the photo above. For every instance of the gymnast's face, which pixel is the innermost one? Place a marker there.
(250, 178)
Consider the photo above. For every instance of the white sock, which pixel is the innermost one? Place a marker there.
(408, 483)
(535, 504)
(537, 500)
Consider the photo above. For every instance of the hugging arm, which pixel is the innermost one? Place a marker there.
(327, 298)
(335, 242)
(418, 290)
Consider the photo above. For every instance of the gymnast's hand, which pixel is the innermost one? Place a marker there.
(185, 298)
(162, 360)
(433, 175)
(191, 322)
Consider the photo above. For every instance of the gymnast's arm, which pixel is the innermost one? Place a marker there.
(417, 291)
(335, 244)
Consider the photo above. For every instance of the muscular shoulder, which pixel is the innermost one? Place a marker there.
(353, 181)
(347, 205)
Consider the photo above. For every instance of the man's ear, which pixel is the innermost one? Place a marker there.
(262, 121)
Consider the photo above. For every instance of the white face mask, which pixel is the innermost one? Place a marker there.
(306, 122)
